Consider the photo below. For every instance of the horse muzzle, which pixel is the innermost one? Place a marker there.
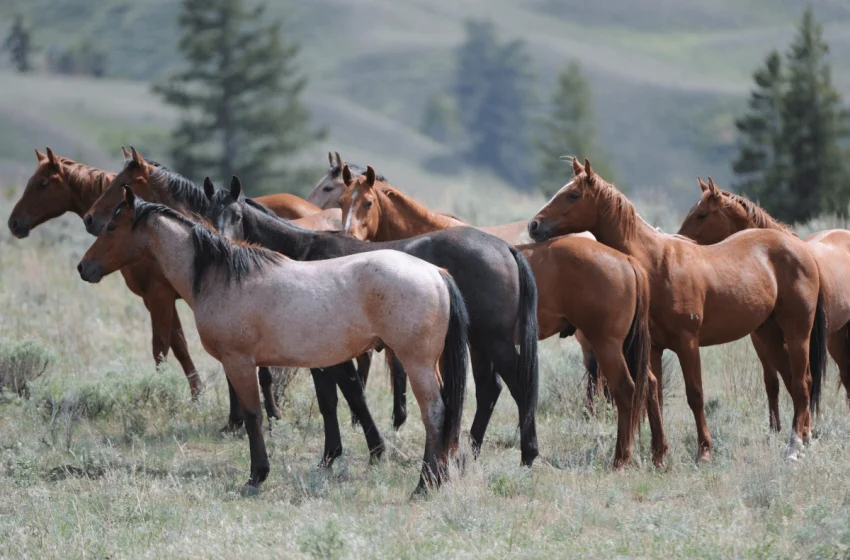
(90, 271)
(539, 231)
(20, 227)
(93, 226)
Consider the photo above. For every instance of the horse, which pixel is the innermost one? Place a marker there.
(760, 281)
(61, 185)
(156, 183)
(376, 211)
(493, 277)
(254, 307)
(719, 214)
(329, 189)
(616, 321)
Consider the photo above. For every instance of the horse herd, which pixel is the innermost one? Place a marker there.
(373, 268)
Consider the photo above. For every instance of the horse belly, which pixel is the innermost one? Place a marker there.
(734, 319)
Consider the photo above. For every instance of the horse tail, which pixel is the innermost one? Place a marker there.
(636, 347)
(453, 363)
(528, 376)
(817, 353)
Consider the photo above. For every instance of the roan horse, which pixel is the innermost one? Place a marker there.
(581, 284)
(155, 183)
(494, 278)
(720, 214)
(376, 211)
(254, 307)
(760, 281)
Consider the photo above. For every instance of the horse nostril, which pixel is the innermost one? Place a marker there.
(88, 220)
(533, 225)
(80, 267)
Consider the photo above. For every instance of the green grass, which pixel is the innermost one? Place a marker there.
(109, 458)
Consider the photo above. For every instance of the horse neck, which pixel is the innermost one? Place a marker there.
(642, 241)
(86, 184)
(403, 217)
(170, 245)
(279, 235)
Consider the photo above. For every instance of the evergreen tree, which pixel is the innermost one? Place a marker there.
(493, 90)
(18, 45)
(791, 155)
(815, 125)
(239, 96)
(568, 130)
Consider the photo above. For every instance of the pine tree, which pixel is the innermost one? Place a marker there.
(18, 45)
(239, 96)
(815, 125)
(568, 130)
(493, 89)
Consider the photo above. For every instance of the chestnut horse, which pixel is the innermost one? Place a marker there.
(486, 270)
(720, 214)
(376, 211)
(61, 185)
(756, 281)
(617, 320)
(155, 183)
(254, 307)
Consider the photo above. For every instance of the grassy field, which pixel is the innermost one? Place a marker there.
(108, 458)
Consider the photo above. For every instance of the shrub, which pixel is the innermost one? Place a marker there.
(21, 363)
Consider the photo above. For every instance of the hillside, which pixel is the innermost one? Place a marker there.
(668, 77)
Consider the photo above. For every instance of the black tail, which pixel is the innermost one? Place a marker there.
(637, 345)
(817, 354)
(453, 366)
(528, 376)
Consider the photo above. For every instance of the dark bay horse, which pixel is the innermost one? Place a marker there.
(760, 281)
(376, 211)
(155, 183)
(493, 277)
(254, 307)
(719, 214)
(616, 316)
(61, 185)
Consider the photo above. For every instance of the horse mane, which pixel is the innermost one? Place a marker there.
(619, 209)
(237, 258)
(758, 215)
(90, 181)
(179, 187)
(335, 171)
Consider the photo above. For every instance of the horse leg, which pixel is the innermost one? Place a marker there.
(267, 388)
(181, 352)
(235, 420)
(326, 395)
(656, 424)
(399, 384)
(506, 360)
(616, 372)
(160, 304)
(655, 355)
(364, 363)
(771, 383)
(349, 383)
(689, 358)
(487, 389)
(423, 382)
(242, 374)
(591, 365)
(838, 345)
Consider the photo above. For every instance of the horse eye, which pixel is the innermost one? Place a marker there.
(368, 204)
(575, 195)
(125, 185)
(43, 183)
(702, 216)
(328, 189)
(110, 227)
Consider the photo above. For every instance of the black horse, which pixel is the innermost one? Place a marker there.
(494, 278)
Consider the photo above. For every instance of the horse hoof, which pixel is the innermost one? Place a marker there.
(376, 454)
(794, 449)
(249, 491)
(704, 456)
(275, 413)
(399, 419)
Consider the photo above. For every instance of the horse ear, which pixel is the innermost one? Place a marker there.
(588, 169)
(346, 175)
(712, 187)
(339, 161)
(137, 158)
(235, 187)
(577, 168)
(41, 157)
(129, 198)
(370, 176)
(54, 161)
(125, 152)
(330, 159)
(209, 188)
(702, 184)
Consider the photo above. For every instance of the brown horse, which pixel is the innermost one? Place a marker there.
(720, 214)
(254, 307)
(573, 265)
(756, 281)
(379, 212)
(61, 185)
